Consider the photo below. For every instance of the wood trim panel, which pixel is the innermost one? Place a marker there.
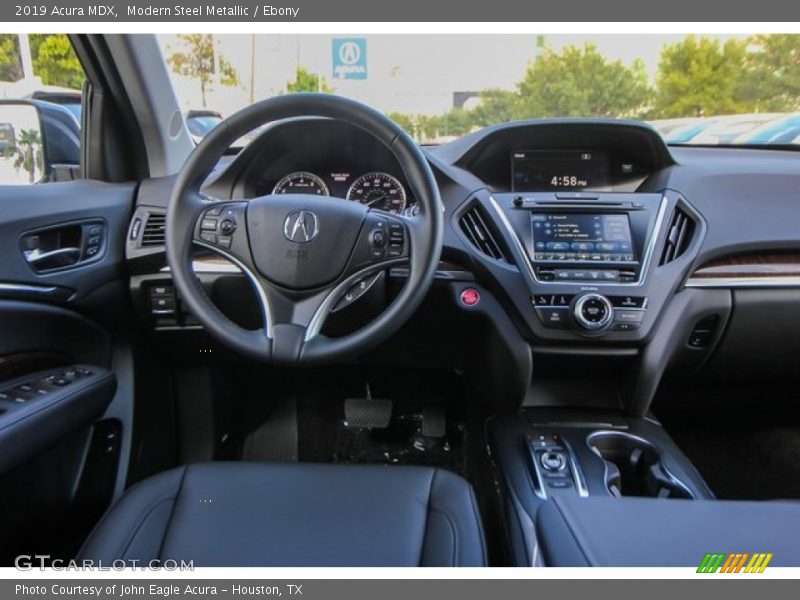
(751, 265)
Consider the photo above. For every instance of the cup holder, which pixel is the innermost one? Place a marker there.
(634, 467)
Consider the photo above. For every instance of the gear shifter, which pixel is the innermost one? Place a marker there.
(553, 460)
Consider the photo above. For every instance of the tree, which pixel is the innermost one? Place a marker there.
(304, 81)
(54, 60)
(701, 77)
(582, 82)
(27, 153)
(496, 106)
(10, 64)
(772, 73)
(197, 62)
(406, 122)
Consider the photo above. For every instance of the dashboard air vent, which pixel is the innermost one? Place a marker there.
(481, 232)
(153, 234)
(679, 235)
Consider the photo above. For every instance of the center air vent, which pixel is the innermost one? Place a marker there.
(481, 233)
(153, 234)
(679, 236)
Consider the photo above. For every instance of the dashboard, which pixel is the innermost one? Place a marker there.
(591, 237)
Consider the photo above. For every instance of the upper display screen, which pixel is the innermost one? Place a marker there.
(554, 170)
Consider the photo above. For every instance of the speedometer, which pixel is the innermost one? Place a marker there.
(379, 190)
(301, 182)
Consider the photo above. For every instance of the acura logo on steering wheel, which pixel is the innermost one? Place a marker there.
(301, 226)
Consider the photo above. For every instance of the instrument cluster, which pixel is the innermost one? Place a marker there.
(375, 189)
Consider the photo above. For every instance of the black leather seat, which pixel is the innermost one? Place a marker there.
(251, 514)
(646, 532)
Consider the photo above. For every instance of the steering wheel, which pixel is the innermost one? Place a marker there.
(303, 253)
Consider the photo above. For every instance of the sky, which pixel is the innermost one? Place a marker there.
(407, 73)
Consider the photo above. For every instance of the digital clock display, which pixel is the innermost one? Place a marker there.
(554, 170)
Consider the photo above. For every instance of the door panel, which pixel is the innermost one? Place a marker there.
(64, 417)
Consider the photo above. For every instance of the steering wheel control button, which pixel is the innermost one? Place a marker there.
(378, 238)
(554, 318)
(397, 239)
(356, 291)
(218, 225)
(227, 226)
(470, 297)
(593, 312)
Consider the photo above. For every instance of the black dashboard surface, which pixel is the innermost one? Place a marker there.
(734, 201)
(750, 199)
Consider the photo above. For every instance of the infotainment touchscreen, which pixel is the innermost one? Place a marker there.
(559, 170)
(582, 237)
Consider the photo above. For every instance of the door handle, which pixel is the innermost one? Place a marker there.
(61, 257)
(64, 246)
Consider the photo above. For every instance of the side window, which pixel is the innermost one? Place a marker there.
(40, 109)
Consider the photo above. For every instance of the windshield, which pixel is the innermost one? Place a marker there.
(710, 90)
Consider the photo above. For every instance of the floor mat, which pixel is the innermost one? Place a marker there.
(740, 463)
(275, 439)
(743, 451)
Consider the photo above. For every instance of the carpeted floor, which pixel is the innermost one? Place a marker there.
(745, 444)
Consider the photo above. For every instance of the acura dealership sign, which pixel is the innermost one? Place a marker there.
(349, 58)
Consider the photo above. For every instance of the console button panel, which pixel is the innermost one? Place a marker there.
(555, 470)
(585, 275)
(590, 313)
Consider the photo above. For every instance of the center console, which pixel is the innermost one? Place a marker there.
(589, 259)
(543, 453)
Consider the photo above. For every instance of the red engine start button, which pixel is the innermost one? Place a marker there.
(470, 297)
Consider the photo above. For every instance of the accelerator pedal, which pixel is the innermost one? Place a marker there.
(434, 423)
(368, 413)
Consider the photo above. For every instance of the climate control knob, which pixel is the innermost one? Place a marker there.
(593, 312)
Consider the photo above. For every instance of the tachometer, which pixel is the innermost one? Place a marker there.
(379, 190)
(301, 182)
